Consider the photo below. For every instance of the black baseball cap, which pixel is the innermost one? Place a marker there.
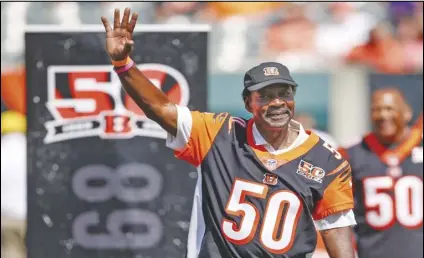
(267, 74)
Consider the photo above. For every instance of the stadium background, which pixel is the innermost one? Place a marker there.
(338, 53)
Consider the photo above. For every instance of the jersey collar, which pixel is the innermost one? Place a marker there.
(398, 154)
(260, 141)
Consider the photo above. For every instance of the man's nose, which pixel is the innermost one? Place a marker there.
(384, 114)
(277, 101)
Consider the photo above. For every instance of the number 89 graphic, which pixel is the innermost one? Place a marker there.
(114, 187)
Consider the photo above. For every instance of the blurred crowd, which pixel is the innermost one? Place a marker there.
(13, 184)
(386, 37)
(383, 36)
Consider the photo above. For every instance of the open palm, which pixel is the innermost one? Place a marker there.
(119, 41)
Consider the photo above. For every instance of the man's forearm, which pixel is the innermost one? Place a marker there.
(150, 99)
(338, 242)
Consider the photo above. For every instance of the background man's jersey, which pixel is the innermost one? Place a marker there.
(389, 197)
(255, 204)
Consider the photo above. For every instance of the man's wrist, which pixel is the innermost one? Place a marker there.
(121, 63)
(122, 69)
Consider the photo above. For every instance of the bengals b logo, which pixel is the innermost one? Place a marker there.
(270, 179)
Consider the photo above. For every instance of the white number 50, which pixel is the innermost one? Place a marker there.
(405, 207)
(273, 216)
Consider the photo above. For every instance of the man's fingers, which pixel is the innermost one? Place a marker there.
(125, 18)
(106, 24)
(116, 22)
(132, 24)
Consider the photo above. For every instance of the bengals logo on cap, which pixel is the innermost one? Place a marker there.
(269, 71)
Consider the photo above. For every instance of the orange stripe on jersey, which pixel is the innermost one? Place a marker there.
(341, 167)
(419, 123)
(405, 149)
(204, 129)
(281, 159)
(337, 196)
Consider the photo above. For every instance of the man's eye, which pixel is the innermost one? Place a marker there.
(286, 95)
(264, 97)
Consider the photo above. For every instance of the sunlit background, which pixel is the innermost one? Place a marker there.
(337, 52)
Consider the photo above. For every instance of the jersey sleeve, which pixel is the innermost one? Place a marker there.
(337, 193)
(337, 220)
(196, 132)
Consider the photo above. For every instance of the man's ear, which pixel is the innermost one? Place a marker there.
(407, 114)
(247, 104)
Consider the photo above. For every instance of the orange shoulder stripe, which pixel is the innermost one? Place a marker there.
(342, 166)
(337, 197)
(204, 129)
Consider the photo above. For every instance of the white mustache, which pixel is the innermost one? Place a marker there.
(278, 112)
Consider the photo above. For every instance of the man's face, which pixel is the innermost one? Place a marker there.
(272, 106)
(388, 113)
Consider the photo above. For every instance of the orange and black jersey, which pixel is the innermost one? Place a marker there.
(252, 203)
(388, 189)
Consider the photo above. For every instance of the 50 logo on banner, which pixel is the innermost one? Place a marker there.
(88, 101)
(130, 228)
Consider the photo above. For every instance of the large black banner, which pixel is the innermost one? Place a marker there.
(101, 182)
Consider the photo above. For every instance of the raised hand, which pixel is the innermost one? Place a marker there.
(119, 41)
